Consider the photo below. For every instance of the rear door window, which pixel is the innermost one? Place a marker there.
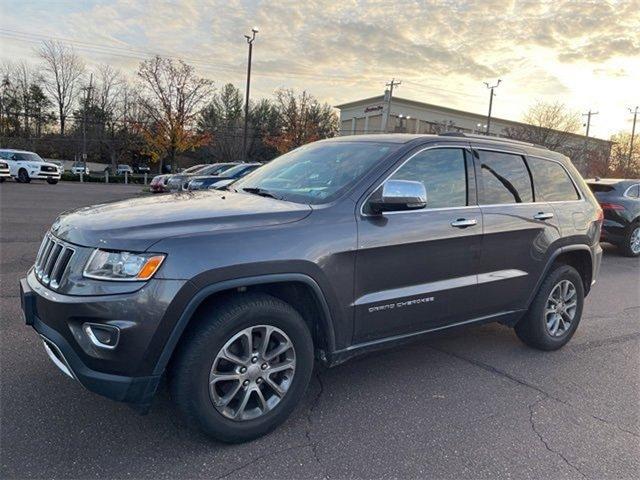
(504, 178)
(551, 181)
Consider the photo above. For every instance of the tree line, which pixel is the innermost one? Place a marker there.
(164, 114)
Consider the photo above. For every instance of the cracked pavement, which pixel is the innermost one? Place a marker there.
(471, 403)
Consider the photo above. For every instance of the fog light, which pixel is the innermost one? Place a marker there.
(102, 336)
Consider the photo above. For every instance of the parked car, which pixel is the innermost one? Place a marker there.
(620, 200)
(80, 169)
(122, 169)
(4, 171)
(159, 184)
(377, 240)
(179, 181)
(25, 166)
(223, 179)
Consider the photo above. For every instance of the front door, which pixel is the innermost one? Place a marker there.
(416, 270)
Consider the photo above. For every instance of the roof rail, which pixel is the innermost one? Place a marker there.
(488, 137)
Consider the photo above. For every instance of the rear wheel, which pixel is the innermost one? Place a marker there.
(630, 246)
(242, 368)
(555, 312)
(23, 176)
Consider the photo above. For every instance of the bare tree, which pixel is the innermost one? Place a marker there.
(548, 124)
(63, 71)
(172, 96)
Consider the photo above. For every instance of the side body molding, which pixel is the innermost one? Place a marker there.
(201, 295)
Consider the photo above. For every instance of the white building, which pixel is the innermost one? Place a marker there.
(373, 115)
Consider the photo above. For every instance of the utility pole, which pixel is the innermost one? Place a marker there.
(391, 84)
(84, 121)
(491, 95)
(250, 39)
(633, 134)
(589, 114)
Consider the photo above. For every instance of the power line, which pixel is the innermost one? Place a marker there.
(202, 63)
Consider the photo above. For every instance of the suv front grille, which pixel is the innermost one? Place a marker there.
(47, 168)
(52, 261)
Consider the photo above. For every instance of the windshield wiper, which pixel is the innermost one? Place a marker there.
(260, 191)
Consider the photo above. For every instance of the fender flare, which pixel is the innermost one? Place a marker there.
(559, 251)
(203, 293)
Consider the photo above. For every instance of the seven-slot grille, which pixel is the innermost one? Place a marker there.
(52, 261)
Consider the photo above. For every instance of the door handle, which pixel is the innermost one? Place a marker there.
(464, 223)
(543, 216)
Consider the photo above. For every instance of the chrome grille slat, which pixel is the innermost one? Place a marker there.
(52, 261)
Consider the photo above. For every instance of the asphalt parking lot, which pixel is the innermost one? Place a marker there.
(472, 403)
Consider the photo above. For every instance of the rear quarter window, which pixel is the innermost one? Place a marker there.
(600, 188)
(551, 182)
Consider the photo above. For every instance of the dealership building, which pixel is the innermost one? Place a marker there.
(378, 115)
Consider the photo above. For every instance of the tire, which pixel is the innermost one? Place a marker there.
(52, 181)
(192, 369)
(1, 179)
(533, 328)
(23, 176)
(626, 247)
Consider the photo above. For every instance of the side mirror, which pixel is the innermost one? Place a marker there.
(399, 195)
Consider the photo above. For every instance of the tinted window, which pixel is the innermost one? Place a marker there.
(634, 191)
(505, 178)
(599, 187)
(443, 173)
(551, 182)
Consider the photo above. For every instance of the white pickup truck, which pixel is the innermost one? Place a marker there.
(26, 166)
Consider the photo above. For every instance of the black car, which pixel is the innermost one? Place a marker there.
(337, 248)
(223, 179)
(620, 201)
(179, 181)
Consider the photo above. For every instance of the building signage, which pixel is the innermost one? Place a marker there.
(373, 109)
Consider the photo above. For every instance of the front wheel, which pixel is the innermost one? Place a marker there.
(52, 181)
(23, 176)
(555, 312)
(242, 368)
(630, 246)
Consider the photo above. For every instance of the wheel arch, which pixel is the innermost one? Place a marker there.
(579, 257)
(299, 290)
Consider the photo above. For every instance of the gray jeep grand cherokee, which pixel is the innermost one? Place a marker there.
(334, 249)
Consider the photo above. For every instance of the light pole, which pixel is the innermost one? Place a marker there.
(250, 39)
(491, 94)
(633, 134)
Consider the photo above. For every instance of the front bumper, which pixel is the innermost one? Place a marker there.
(124, 373)
(44, 175)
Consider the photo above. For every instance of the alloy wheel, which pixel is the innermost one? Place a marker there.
(560, 309)
(252, 372)
(634, 241)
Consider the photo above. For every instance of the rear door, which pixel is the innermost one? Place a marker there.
(416, 270)
(517, 230)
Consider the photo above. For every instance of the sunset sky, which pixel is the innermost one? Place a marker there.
(585, 54)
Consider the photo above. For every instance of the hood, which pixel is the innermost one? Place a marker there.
(136, 224)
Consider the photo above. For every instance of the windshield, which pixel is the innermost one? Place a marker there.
(193, 169)
(26, 157)
(317, 172)
(234, 170)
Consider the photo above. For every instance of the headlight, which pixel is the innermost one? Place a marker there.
(122, 266)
